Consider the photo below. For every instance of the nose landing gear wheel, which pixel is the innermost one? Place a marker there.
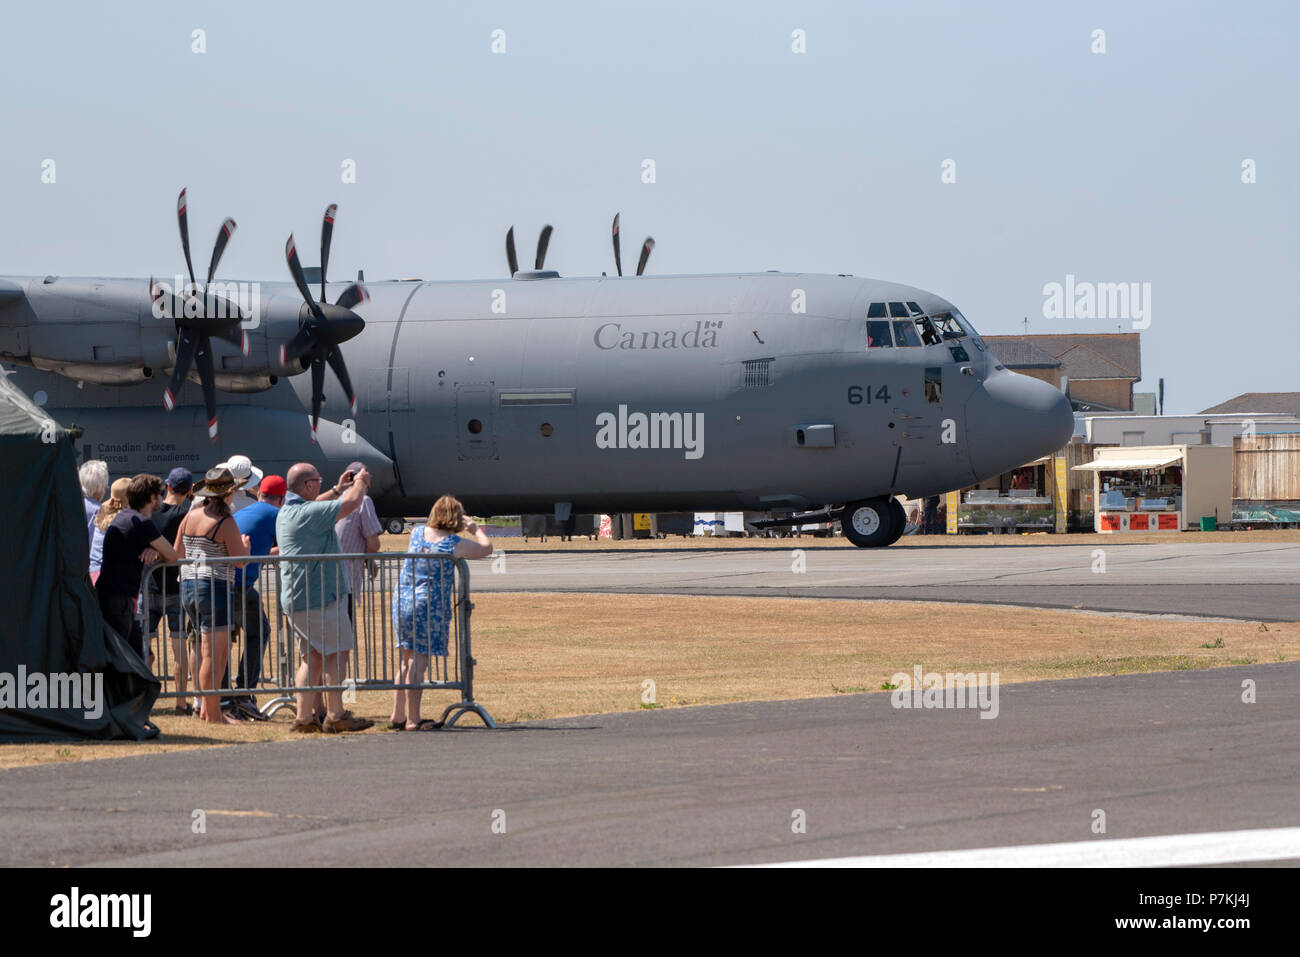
(900, 520)
(871, 523)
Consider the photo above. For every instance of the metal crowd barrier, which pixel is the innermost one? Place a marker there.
(257, 611)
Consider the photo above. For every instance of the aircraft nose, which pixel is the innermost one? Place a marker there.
(1014, 419)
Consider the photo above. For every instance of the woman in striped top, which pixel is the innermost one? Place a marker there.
(210, 532)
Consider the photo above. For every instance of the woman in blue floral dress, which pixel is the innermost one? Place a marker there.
(422, 605)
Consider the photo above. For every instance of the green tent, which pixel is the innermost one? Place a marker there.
(55, 649)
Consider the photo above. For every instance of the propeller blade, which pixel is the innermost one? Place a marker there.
(335, 359)
(183, 217)
(511, 258)
(223, 237)
(326, 234)
(646, 248)
(618, 251)
(184, 356)
(543, 241)
(203, 360)
(317, 392)
(297, 347)
(215, 315)
(295, 267)
(355, 293)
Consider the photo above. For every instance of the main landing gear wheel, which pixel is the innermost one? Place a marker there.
(871, 523)
(395, 526)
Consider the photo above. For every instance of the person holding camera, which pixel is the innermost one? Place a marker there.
(358, 534)
(422, 610)
(314, 593)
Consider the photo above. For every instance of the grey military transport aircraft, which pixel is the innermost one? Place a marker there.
(796, 393)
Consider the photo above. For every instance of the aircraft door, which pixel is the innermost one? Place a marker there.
(474, 426)
(958, 387)
(934, 441)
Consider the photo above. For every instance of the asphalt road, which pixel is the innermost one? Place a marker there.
(1258, 581)
(1158, 754)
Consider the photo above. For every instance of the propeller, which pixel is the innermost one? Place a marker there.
(325, 327)
(543, 241)
(618, 249)
(199, 316)
(646, 248)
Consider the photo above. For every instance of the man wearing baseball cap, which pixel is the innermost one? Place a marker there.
(243, 469)
(257, 521)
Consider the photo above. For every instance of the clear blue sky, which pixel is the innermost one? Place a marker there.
(1117, 167)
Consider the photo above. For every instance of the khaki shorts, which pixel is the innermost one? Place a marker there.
(326, 631)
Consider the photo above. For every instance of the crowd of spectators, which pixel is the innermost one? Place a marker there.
(199, 541)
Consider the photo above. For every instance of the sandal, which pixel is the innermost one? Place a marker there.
(395, 726)
(427, 724)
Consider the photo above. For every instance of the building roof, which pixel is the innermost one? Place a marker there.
(1017, 354)
(1083, 362)
(1122, 350)
(1285, 402)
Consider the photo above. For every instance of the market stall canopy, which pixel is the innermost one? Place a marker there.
(1149, 460)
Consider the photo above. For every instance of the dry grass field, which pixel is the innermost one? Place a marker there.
(548, 656)
(397, 543)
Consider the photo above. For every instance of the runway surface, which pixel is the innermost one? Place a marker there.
(1161, 754)
(1258, 581)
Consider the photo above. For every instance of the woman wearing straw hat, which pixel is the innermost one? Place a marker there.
(210, 532)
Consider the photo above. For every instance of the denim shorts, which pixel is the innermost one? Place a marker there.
(207, 603)
(171, 608)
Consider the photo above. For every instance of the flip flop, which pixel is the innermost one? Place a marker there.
(427, 724)
(395, 726)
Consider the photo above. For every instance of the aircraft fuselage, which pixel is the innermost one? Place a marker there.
(755, 391)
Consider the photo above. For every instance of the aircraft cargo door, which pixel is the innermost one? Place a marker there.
(475, 433)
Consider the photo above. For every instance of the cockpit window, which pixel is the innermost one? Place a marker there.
(876, 310)
(928, 333)
(948, 326)
(878, 335)
(898, 310)
(970, 330)
(905, 333)
(915, 309)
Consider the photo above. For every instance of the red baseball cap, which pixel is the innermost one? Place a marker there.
(272, 485)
